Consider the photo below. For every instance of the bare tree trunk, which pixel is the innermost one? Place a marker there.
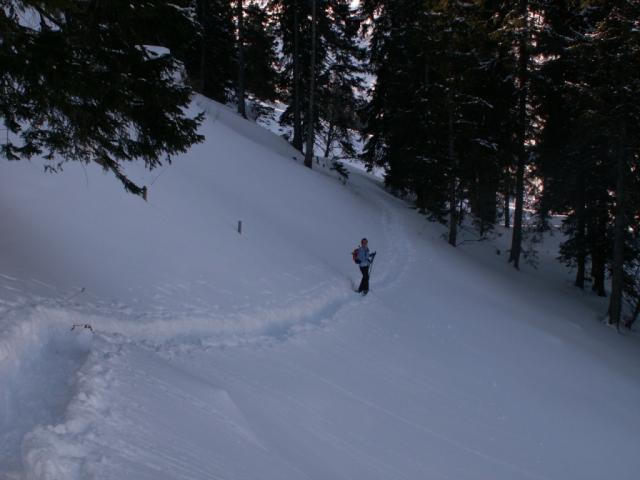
(598, 252)
(581, 258)
(453, 210)
(485, 208)
(617, 268)
(523, 62)
(516, 239)
(453, 204)
(330, 130)
(203, 58)
(598, 274)
(507, 196)
(240, 90)
(507, 206)
(297, 122)
(309, 150)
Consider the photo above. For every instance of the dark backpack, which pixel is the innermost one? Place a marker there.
(354, 254)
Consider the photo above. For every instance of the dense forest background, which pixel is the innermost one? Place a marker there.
(481, 112)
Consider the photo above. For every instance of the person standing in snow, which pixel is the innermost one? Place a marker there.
(363, 258)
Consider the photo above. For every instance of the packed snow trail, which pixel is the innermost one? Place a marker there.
(226, 356)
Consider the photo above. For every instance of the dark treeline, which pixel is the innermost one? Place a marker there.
(531, 102)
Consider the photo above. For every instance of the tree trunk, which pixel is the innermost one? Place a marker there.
(507, 207)
(453, 212)
(297, 122)
(598, 252)
(598, 268)
(507, 195)
(617, 268)
(581, 255)
(516, 239)
(203, 54)
(309, 150)
(523, 62)
(330, 130)
(453, 204)
(486, 208)
(240, 90)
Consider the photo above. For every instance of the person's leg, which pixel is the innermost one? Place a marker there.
(363, 272)
(364, 283)
(365, 279)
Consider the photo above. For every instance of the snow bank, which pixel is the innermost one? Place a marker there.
(177, 425)
(39, 356)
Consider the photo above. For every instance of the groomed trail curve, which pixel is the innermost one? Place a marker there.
(451, 368)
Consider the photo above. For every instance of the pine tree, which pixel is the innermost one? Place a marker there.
(336, 53)
(515, 32)
(564, 160)
(259, 53)
(442, 52)
(587, 157)
(78, 84)
(402, 75)
(339, 83)
(338, 107)
(211, 58)
(288, 18)
(311, 87)
(616, 87)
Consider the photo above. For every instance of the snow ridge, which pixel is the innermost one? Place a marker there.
(39, 357)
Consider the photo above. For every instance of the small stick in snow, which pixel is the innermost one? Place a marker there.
(75, 294)
(82, 325)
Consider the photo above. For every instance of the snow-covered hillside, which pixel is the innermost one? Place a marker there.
(219, 355)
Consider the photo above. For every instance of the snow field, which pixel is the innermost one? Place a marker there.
(148, 274)
(226, 356)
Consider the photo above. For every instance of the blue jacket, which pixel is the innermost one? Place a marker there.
(364, 256)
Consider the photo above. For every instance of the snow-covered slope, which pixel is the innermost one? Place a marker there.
(216, 354)
(80, 229)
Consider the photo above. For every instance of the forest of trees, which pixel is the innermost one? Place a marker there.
(482, 112)
(534, 103)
